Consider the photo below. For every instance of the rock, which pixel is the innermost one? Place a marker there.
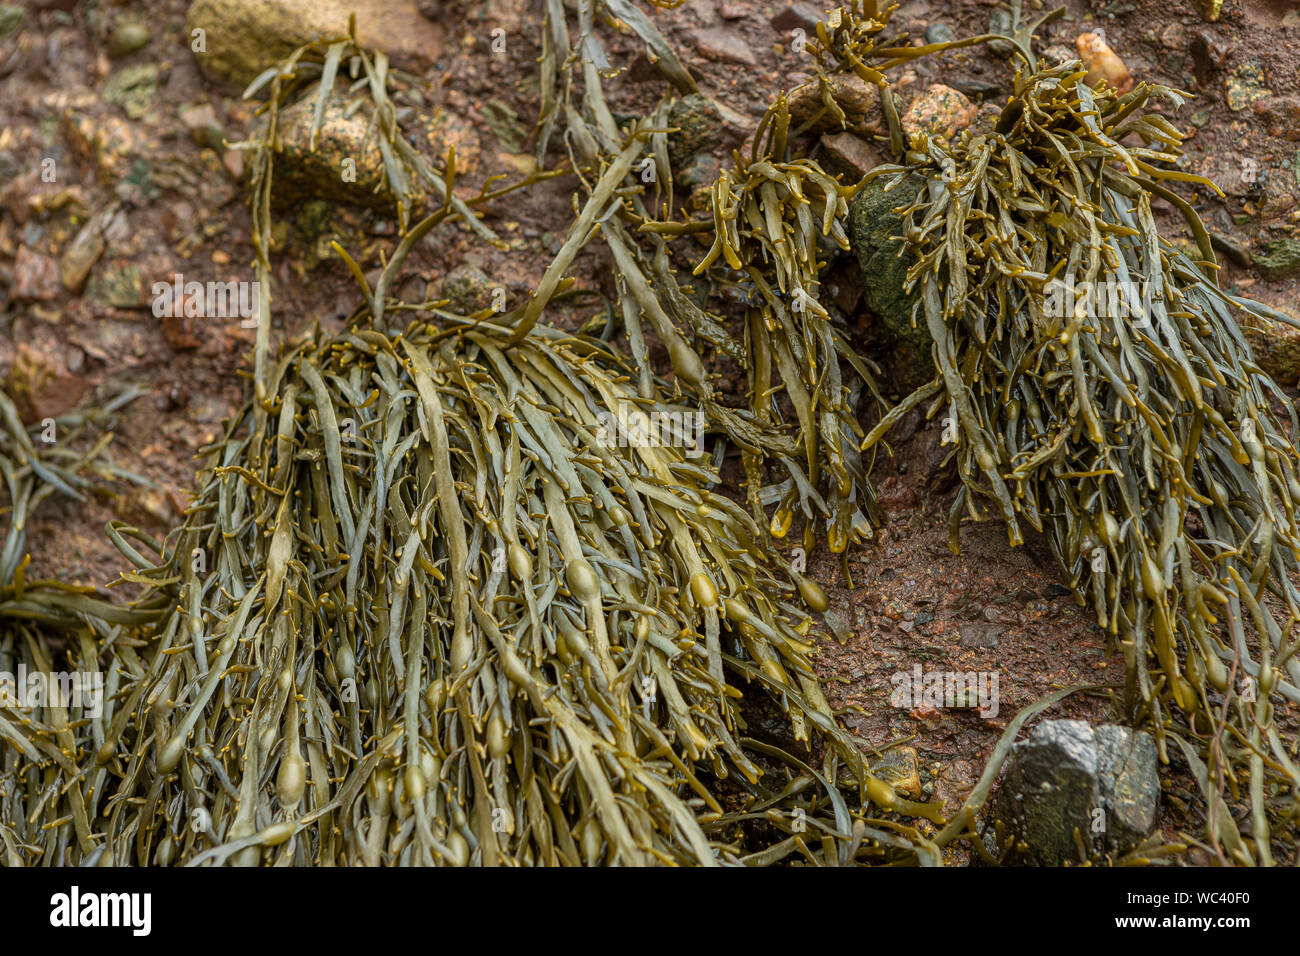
(467, 289)
(1237, 174)
(244, 37)
(839, 623)
(699, 172)
(901, 769)
(1208, 55)
(855, 96)
(150, 506)
(201, 121)
(118, 284)
(940, 112)
(127, 39)
(233, 160)
(41, 386)
(980, 89)
(133, 88)
(1282, 114)
(850, 154)
(980, 634)
(1276, 348)
(84, 251)
(1279, 258)
(986, 119)
(1245, 85)
(36, 277)
(1059, 53)
(346, 165)
(1210, 9)
(797, 16)
(1069, 777)
(697, 128)
(1102, 63)
(724, 46)
(1000, 22)
(111, 143)
(1130, 786)
(504, 122)
(939, 33)
(1237, 251)
(884, 264)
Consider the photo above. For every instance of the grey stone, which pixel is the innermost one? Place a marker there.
(939, 33)
(1000, 22)
(1130, 787)
(1072, 779)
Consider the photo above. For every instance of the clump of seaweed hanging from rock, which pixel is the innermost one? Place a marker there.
(428, 607)
(1098, 388)
(51, 630)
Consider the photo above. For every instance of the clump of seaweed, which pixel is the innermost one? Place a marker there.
(445, 620)
(44, 729)
(774, 219)
(1098, 388)
(433, 604)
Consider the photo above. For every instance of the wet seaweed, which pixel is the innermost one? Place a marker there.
(438, 600)
(1096, 387)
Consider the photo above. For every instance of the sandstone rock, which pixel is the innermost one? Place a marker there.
(940, 112)
(346, 165)
(855, 96)
(724, 46)
(850, 155)
(36, 277)
(244, 37)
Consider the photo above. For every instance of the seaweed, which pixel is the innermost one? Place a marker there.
(1096, 386)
